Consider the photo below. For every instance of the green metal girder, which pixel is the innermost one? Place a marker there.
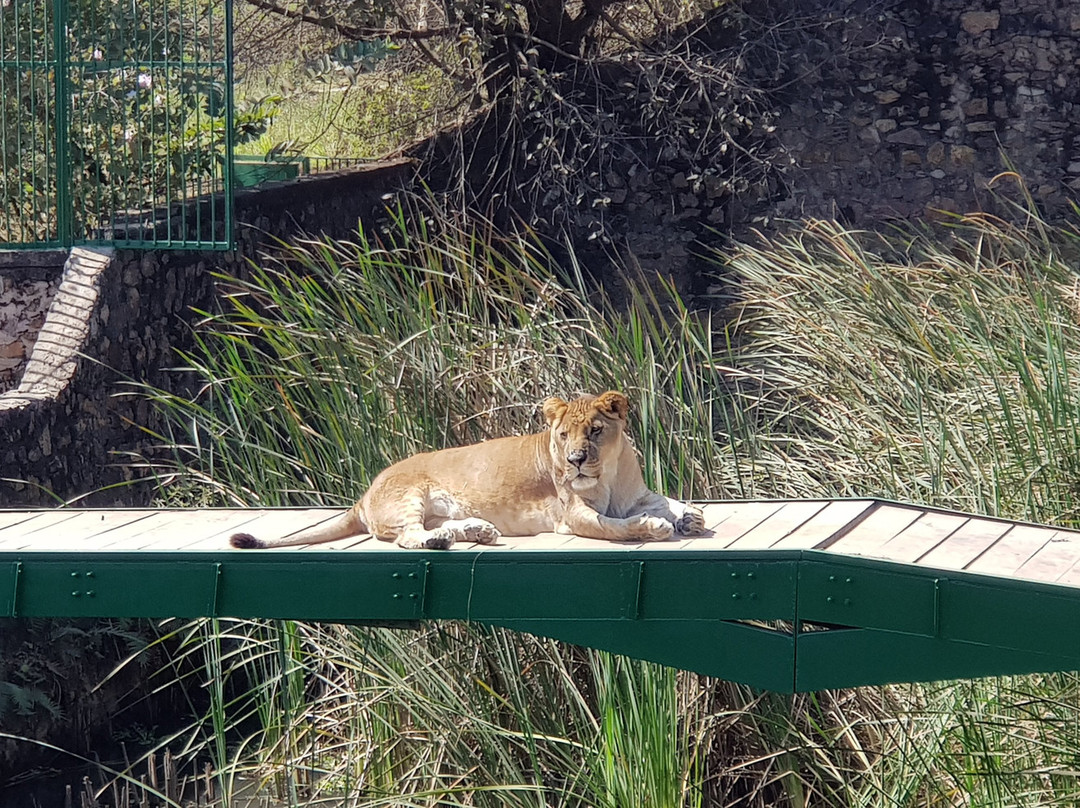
(784, 621)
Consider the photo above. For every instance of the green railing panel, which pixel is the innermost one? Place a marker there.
(114, 123)
(734, 651)
(872, 595)
(324, 589)
(89, 589)
(857, 657)
(29, 120)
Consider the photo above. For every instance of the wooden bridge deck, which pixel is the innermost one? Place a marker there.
(783, 594)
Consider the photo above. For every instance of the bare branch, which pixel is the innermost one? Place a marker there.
(352, 31)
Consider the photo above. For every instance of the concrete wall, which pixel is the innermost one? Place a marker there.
(71, 427)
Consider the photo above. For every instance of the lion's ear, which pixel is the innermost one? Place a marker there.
(553, 409)
(613, 404)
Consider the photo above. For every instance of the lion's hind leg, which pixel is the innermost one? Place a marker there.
(422, 518)
(399, 514)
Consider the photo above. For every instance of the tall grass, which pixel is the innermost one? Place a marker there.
(930, 367)
(335, 359)
(938, 368)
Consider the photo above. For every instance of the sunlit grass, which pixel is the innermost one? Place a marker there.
(936, 368)
(374, 114)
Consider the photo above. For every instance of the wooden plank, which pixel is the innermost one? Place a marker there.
(716, 513)
(922, 536)
(790, 517)
(1071, 576)
(172, 530)
(21, 536)
(674, 543)
(866, 538)
(1012, 550)
(744, 517)
(1054, 560)
(267, 525)
(362, 541)
(579, 544)
(544, 541)
(88, 531)
(11, 518)
(965, 545)
(825, 527)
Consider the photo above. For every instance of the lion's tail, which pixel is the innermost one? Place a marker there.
(350, 523)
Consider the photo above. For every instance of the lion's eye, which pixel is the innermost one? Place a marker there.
(596, 429)
(562, 435)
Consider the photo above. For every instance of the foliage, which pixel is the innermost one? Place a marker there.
(146, 120)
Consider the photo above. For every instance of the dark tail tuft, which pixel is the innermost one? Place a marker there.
(245, 541)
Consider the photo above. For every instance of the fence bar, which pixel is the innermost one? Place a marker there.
(118, 123)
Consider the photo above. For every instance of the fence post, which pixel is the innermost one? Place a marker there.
(62, 85)
(230, 125)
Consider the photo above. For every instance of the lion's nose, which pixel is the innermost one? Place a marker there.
(577, 457)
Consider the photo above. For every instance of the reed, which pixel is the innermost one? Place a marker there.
(933, 367)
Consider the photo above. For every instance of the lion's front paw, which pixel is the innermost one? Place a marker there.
(653, 528)
(691, 523)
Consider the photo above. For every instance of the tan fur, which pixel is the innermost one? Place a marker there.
(580, 476)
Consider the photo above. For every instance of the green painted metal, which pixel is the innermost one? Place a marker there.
(780, 620)
(250, 171)
(113, 118)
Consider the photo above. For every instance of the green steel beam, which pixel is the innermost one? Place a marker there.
(784, 621)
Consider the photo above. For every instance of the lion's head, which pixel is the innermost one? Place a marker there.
(585, 436)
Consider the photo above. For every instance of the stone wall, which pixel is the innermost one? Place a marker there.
(72, 426)
(28, 282)
(904, 109)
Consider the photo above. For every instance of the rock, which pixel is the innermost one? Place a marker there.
(961, 156)
(14, 349)
(910, 157)
(870, 135)
(979, 22)
(907, 137)
(976, 106)
(935, 155)
(886, 96)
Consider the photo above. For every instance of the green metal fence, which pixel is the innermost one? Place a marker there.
(114, 123)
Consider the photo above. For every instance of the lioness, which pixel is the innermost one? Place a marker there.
(579, 476)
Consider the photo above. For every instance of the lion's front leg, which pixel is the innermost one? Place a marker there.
(581, 520)
(687, 518)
